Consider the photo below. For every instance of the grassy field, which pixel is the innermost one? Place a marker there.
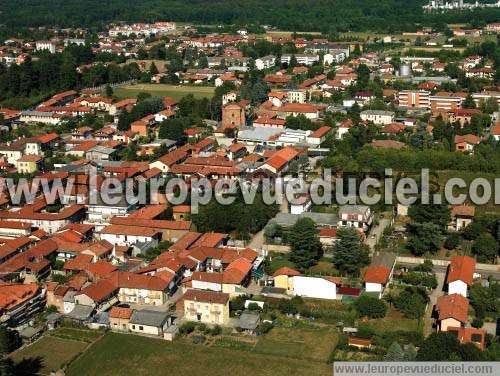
(164, 90)
(468, 177)
(76, 334)
(118, 354)
(46, 355)
(315, 345)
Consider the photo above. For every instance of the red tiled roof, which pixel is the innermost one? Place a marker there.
(100, 290)
(461, 269)
(452, 306)
(120, 312)
(377, 274)
(236, 271)
(206, 296)
(286, 271)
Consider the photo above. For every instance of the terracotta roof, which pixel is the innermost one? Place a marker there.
(236, 271)
(463, 211)
(100, 290)
(377, 274)
(286, 271)
(120, 312)
(138, 281)
(101, 268)
(128, 230)
(452, 306)
(206, 296)
(14, 294)
(469, 335)
(207, 277)
(461, 269)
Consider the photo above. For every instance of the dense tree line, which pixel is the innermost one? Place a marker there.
(328, 15)
(50, 73)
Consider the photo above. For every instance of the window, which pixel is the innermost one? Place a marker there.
(141, 327)
(133, 326)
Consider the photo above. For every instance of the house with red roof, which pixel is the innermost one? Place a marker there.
(205, 306)
(451, 311)
(237, 274)
(461, 217)
(20, 302)
(379, 273)
(460, 275)
(469, 335)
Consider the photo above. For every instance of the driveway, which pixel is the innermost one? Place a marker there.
(376, 232)
(435, 294)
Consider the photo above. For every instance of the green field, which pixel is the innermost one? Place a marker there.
(314, 345)
(164, 90)
(119, 354)
(46, 355)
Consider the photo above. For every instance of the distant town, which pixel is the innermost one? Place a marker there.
(118, 286)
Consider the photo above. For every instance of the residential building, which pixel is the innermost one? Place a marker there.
(206, 306)
(153, 323)
(379, 273)
(460, 275)
(451, 311)
(378, 116)
(357, 216)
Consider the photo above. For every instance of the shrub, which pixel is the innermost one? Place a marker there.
(369, 306)
(265, 327)
(216, 330)
(187, 327)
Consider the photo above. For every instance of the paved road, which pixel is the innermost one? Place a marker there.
(436, 293)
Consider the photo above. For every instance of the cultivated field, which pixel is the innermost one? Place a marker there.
(46, 355)
(119, 354)
(164, 90)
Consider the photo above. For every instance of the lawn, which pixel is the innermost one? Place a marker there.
(314, 345)
(279, 260)
(76, 334)
(164, 90)
(45, 355)
(119, 354)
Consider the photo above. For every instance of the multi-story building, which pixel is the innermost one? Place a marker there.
(414, 99)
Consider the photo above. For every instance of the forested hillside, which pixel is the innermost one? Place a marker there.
(299, 15)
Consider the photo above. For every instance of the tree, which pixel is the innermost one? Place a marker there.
(370, 306)
(394, 353)
(363, 75)
(172, 129)
(443, 346)
(438, 214)
(411, 301)
(452, 241)
(486, 248)
(304, 242)
(469, 102)
(108, 91)
(153, 69)
(349, 256)
(490, 105)
(202, 61)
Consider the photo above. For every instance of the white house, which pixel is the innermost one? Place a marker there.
(207, 281)
(357, 216)
(129, 235)
(379, 273)
(315, 287)
(265, 62)
(460, 275)
(378, 116)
